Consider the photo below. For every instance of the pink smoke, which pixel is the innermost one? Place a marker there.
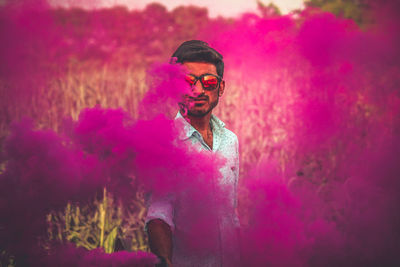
(320, 96)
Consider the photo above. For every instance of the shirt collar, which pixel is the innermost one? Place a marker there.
(188, 130)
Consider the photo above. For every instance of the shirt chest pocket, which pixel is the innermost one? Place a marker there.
(228, 174)
(231, 165)
(233, 170)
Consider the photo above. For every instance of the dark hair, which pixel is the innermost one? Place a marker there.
(199, 51)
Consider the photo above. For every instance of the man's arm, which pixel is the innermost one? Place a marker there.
(160, 226)
(160, 240)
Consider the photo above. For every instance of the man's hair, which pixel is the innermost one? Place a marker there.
(199, 51)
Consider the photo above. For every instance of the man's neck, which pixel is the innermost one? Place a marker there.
(201, 124)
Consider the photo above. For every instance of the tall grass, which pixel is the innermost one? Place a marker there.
(101, 225)
(259, 120)
(104, 223)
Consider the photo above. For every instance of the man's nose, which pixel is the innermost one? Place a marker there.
(197, 88)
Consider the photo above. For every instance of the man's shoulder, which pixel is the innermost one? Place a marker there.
(229, 134)
(229, 139)
(225, 132)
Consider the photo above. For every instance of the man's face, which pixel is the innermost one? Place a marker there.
(201, 101)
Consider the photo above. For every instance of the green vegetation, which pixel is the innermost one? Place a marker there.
(357, 10)
(269, 10)
(103, 224)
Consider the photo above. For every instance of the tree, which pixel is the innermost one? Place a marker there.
(190, 20)
(356, 10)
(270, 10)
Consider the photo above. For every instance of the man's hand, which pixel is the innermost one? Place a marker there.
(164, 263)
(160, 241)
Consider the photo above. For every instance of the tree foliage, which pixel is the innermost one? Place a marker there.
(356, 10)
(269, 10)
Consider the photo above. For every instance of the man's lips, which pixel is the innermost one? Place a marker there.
(198, 99)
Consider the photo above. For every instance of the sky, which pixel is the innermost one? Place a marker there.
(226, 8)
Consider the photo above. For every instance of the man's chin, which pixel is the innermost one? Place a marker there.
(198, 113)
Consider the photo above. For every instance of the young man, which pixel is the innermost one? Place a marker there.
(206, 132)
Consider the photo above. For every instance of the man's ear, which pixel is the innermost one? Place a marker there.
(221, 88)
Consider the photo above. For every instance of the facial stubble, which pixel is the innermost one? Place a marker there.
(199, 113)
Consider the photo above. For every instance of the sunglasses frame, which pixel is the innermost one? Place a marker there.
(199, 78)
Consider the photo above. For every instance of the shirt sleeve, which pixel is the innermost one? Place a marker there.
(161, 208)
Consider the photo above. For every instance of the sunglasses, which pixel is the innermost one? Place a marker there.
(208, 81)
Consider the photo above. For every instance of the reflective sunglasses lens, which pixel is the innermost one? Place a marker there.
(190, 79)
(210, 82)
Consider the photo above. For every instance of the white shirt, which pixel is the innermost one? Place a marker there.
(221, 247)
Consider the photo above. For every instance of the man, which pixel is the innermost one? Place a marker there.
(206, 132)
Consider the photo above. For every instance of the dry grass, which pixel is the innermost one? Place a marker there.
(260, 120)
(63, 97)
(82, 86)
